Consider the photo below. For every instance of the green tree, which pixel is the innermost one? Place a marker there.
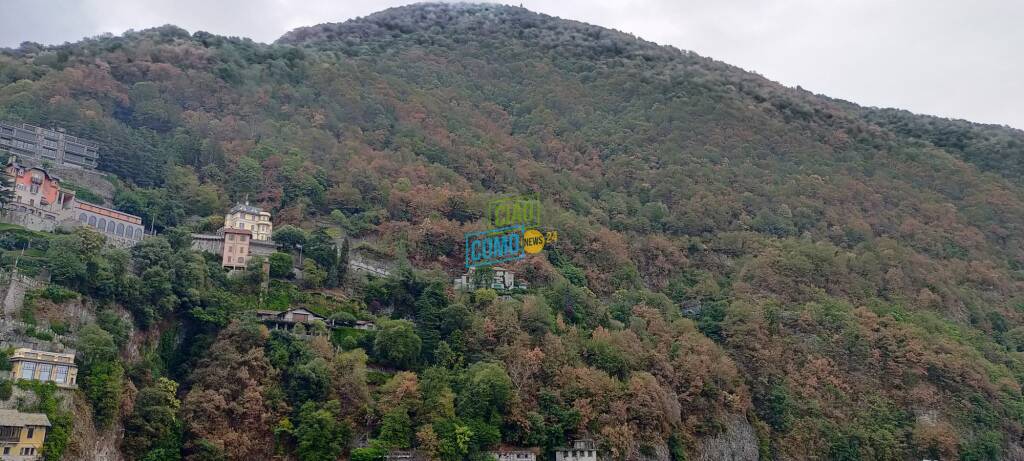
(487, 390)
(396, 429)
(68, 256)
(101, 373)
(320, 435)
(321, 248)
(289, 236)
(103, 384)
(246, 178)
(343, 259)
(153, 431)
(312, 274)
(281, 265)
(397, 343)
(6, 189)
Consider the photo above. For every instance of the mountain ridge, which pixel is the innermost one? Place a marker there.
(741, 268)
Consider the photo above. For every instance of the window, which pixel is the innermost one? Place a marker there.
(44, 375)
(7, 450)
(231, 237)
(101, 224)
(120, 229)
(240, 259)
(61, 374)
(31, 432)
(92, 221)
(82, 217)
(138, 233)
(10, 432)
(28, 370)
(110, 226)
(231, 248)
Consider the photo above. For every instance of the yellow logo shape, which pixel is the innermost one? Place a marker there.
(533, 241)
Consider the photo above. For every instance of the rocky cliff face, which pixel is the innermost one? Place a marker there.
(89, 443)
(737, 443)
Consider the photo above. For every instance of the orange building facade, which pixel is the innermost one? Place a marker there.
(38, 190)
(236, 248)
(40, 203)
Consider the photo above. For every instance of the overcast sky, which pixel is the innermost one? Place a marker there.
(960, 59)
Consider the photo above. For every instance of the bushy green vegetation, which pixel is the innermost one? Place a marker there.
(83, 193)
(48, 402)
(846, 281)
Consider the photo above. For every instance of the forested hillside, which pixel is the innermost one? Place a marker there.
(735, 257)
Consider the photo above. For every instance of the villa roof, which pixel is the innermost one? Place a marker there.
(515, 449)
(18, 419)
(246, 208)
(13, 162)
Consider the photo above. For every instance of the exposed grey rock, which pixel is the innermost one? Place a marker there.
(737, 443)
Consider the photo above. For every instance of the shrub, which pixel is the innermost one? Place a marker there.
(57, 293)
(59, 434)
(5, 358)
(6, 389)
(368, 454)
(280, 265)
(39, 334)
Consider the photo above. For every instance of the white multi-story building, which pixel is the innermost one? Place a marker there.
(515, 454)
(502, 279)
(581, 450)
(250, 218)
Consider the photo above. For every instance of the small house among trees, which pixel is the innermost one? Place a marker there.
(497, 278)
(581, 450)
(290, 318)
(508, 453)
(22, 434)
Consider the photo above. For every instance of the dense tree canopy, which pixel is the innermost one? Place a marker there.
(734, 257)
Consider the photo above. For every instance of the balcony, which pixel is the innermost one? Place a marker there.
(10, 434)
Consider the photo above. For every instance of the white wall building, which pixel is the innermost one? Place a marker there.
(250, 218)
(515, 454)
(502, 280)
(581, 450)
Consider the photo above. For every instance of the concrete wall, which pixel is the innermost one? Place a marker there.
(30, 221)
(372, 267)
(89, 179)
(261, 248)
(13, 287)
(208, 243)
